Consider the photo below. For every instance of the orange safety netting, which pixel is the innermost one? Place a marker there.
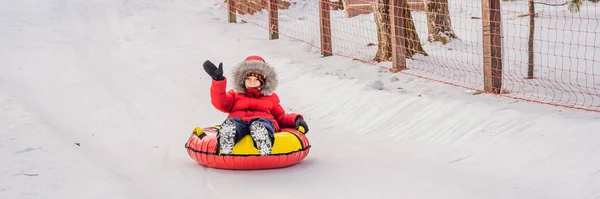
(566, 43)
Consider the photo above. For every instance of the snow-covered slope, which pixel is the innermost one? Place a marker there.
(97, 99)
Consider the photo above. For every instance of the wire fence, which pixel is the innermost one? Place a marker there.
(546, 52)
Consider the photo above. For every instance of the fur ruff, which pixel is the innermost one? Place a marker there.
(254, 66)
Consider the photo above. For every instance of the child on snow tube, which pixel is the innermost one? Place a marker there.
(252, 105)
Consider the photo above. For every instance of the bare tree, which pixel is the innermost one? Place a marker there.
(530, 60)
(439, 24)
(381, 12)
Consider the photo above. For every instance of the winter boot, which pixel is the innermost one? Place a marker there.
(261, 138)
(226, 136)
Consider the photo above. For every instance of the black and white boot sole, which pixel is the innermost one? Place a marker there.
(260, 135)
(226, 136)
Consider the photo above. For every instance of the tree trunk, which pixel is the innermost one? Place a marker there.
(439, 25)
(530, 61)
(413, 43)
(382, 19)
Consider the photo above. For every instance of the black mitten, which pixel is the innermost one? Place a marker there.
(213, 71)
(301, 125)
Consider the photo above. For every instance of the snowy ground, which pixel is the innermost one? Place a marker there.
(97, 99)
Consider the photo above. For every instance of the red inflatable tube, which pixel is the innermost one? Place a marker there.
(290, 147)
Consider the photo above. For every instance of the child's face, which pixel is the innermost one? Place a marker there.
(252, 82)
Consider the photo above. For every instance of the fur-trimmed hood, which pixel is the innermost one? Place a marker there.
(255, 66)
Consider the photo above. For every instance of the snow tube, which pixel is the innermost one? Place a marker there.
(290, 147)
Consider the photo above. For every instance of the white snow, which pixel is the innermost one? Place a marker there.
(123, 79)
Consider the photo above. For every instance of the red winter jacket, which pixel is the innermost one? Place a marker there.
(245, 107)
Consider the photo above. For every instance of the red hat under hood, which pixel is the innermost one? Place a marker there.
(255, 65)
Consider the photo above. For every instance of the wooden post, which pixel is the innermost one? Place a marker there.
(273, 20)
(232, 11)
(530, 61)
(325, 22)
(492, 45)
(398, 30)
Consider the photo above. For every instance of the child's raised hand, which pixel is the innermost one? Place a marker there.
(213, 71)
